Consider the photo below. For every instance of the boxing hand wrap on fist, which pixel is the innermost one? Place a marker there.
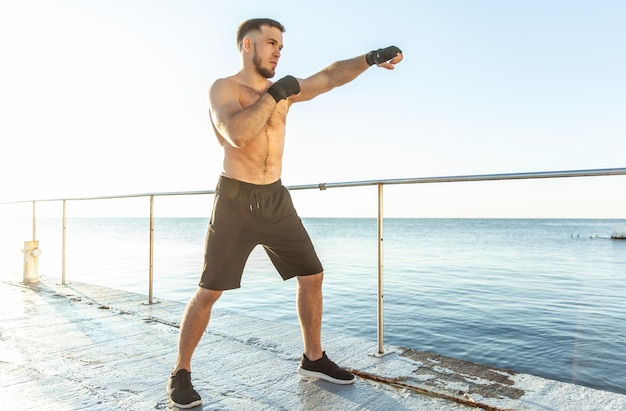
(382, 55)
(283, 88)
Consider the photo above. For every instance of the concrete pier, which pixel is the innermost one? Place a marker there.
(85, 347)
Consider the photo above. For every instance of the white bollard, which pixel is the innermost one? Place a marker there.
(31, 261)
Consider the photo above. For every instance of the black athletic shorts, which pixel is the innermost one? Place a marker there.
(246, 215)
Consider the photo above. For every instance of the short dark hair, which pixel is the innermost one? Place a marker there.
(255, 25)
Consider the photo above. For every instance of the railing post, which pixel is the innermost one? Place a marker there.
(31, 255)
(381, 329)
(150, 275)
(64, 223)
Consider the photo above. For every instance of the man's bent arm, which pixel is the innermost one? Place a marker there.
(236, 124)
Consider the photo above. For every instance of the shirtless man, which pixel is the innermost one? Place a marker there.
(251, 205)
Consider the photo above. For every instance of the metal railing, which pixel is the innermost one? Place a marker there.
(324, 186)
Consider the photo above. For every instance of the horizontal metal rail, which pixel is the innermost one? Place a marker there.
(418, 180)
(325, 186)
(470, 178)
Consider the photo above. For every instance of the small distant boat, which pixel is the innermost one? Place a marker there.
(619, 232)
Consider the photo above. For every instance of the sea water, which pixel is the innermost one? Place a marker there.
(542, 296)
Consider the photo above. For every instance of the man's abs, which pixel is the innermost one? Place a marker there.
(258, 163)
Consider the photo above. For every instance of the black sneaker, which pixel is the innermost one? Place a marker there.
(181, 391)
(324, 369)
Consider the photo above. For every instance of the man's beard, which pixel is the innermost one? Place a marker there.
(265, 72)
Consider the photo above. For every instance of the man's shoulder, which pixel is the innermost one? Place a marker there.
(226, 82)
(227, 88)
(235, 88)
(234, 84)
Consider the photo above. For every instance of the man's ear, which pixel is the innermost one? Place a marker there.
(247, 44)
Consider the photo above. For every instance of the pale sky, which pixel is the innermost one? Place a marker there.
(110, 97)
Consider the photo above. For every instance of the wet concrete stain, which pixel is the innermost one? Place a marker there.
(463, 377)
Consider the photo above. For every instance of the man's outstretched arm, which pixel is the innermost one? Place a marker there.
(344, 71)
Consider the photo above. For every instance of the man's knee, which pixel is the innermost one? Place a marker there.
(206, 297)
(314, 280)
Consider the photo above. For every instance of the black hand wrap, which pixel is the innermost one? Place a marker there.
(284, 88)
(382, 55)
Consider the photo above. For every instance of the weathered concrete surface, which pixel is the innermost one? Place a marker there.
(84, 347)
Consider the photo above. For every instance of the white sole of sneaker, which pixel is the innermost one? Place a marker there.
(185, 406)
(321, 376)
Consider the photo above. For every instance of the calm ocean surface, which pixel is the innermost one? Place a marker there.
(545, 297)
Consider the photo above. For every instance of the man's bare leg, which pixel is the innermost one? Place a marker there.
(309, 305)
(315, 363)
(194, 323)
